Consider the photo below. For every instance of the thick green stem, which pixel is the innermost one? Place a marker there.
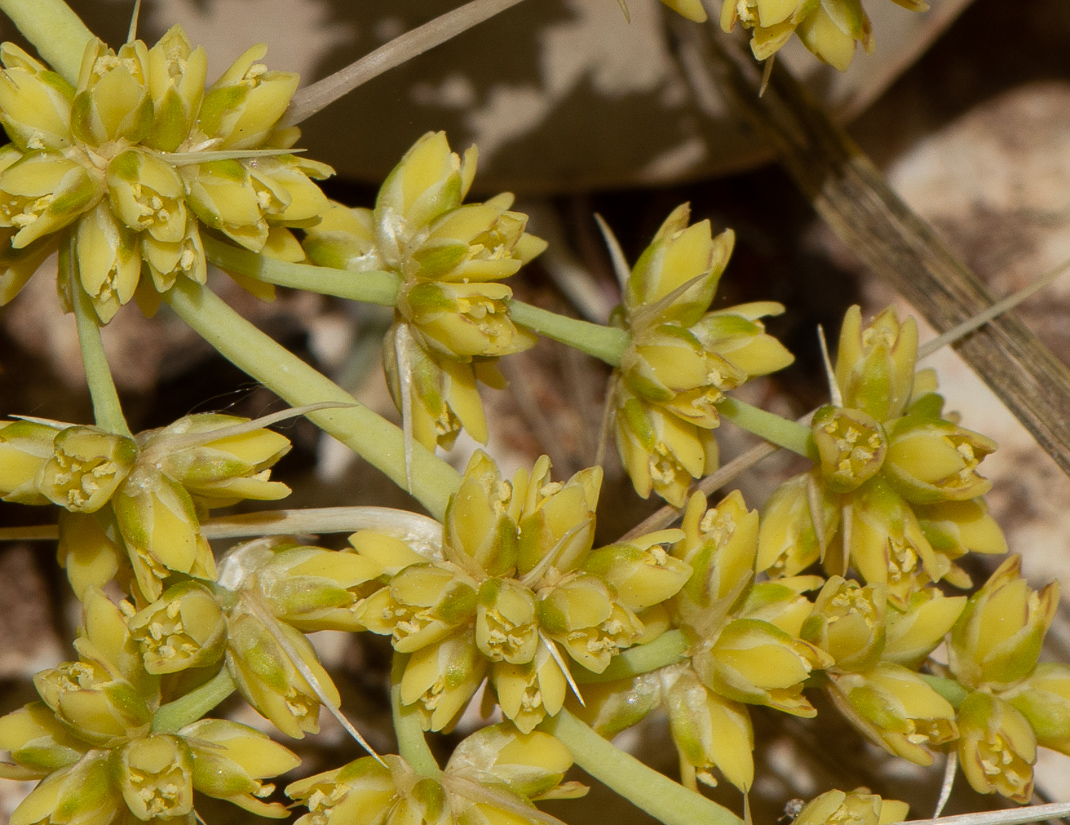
(605, 343)
(644, 787)
(194, 705)
(668, 649)
(58, 34)
(107, 412)
(780, 431)
(370, 435)
(412, 747)
(372, 287)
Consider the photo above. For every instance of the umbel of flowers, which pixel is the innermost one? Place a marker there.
(682, 358)
(516, 593)
(451, 321)
(125, 168)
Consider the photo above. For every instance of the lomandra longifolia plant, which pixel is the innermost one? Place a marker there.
(134, 171)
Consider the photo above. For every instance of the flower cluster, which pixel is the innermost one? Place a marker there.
(829, 28)
(92, 742)
(682, 358)
(451, 321)
(491, 779)
(895, 492)
(122, 168)
(132, 506)
(514, 589)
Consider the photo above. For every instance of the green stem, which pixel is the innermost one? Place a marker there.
(107, 411)
(605, 343)
(185, 711)
(58, 34)
(644, 787)
(412, 746)
(370, 435)
(780, 431)
(372, 287)
(375, 287)
(668, 649)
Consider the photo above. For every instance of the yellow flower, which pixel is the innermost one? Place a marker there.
(1044, 700)
(25, 447)
(859, 807)
(875, 364)
(997, 747)
(184, 628)
(847, 622)
(441, 678)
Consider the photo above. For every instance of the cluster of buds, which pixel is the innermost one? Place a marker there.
(452, 316)
(132, 506)
(514, 590)
(91, 741)
(492, 778)
(682, 358)
(895, 492)
(829, 28)
(124, 167)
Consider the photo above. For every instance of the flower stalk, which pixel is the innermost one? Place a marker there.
(371, 436)
(57, 33)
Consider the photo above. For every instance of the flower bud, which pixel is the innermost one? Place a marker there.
(311, 588)
(441, 678)
(37, 741)
(932, 460)
(86, 468)
(955, 528)
(427, 183)
(109, 261)
(184, 628)
(996, 641)
(230, 759)
(113, 102)
(720, 544)
(155, 775)
(422, 604)
(479, 532)
(176, 74)
(226, 197)
(159, 526)
(678, 272)
(851, 446)
(531, 765)
(1044, 700)
(528, 693)
(997, 747)
(660, 451)
(291, 177)
(781, 602)
(43, 192)
(691, 9)
(736, 335)
(641, 571)
(915, 631)
(754, 662)
(875, 364)
(169, 261)
(847, 622)
(556, 520)
(82, 794)
(35, 102)
(243, 107)
(792, 535)
(506, 622)
(897, 709)
(344, 239)
(582, 613)
(25, 447)
(443, 395)
(267, 677)
(709, 730)
(223, 470)
(858, 807)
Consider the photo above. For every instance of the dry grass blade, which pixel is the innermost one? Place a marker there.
(851, 195)
(321, 94)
